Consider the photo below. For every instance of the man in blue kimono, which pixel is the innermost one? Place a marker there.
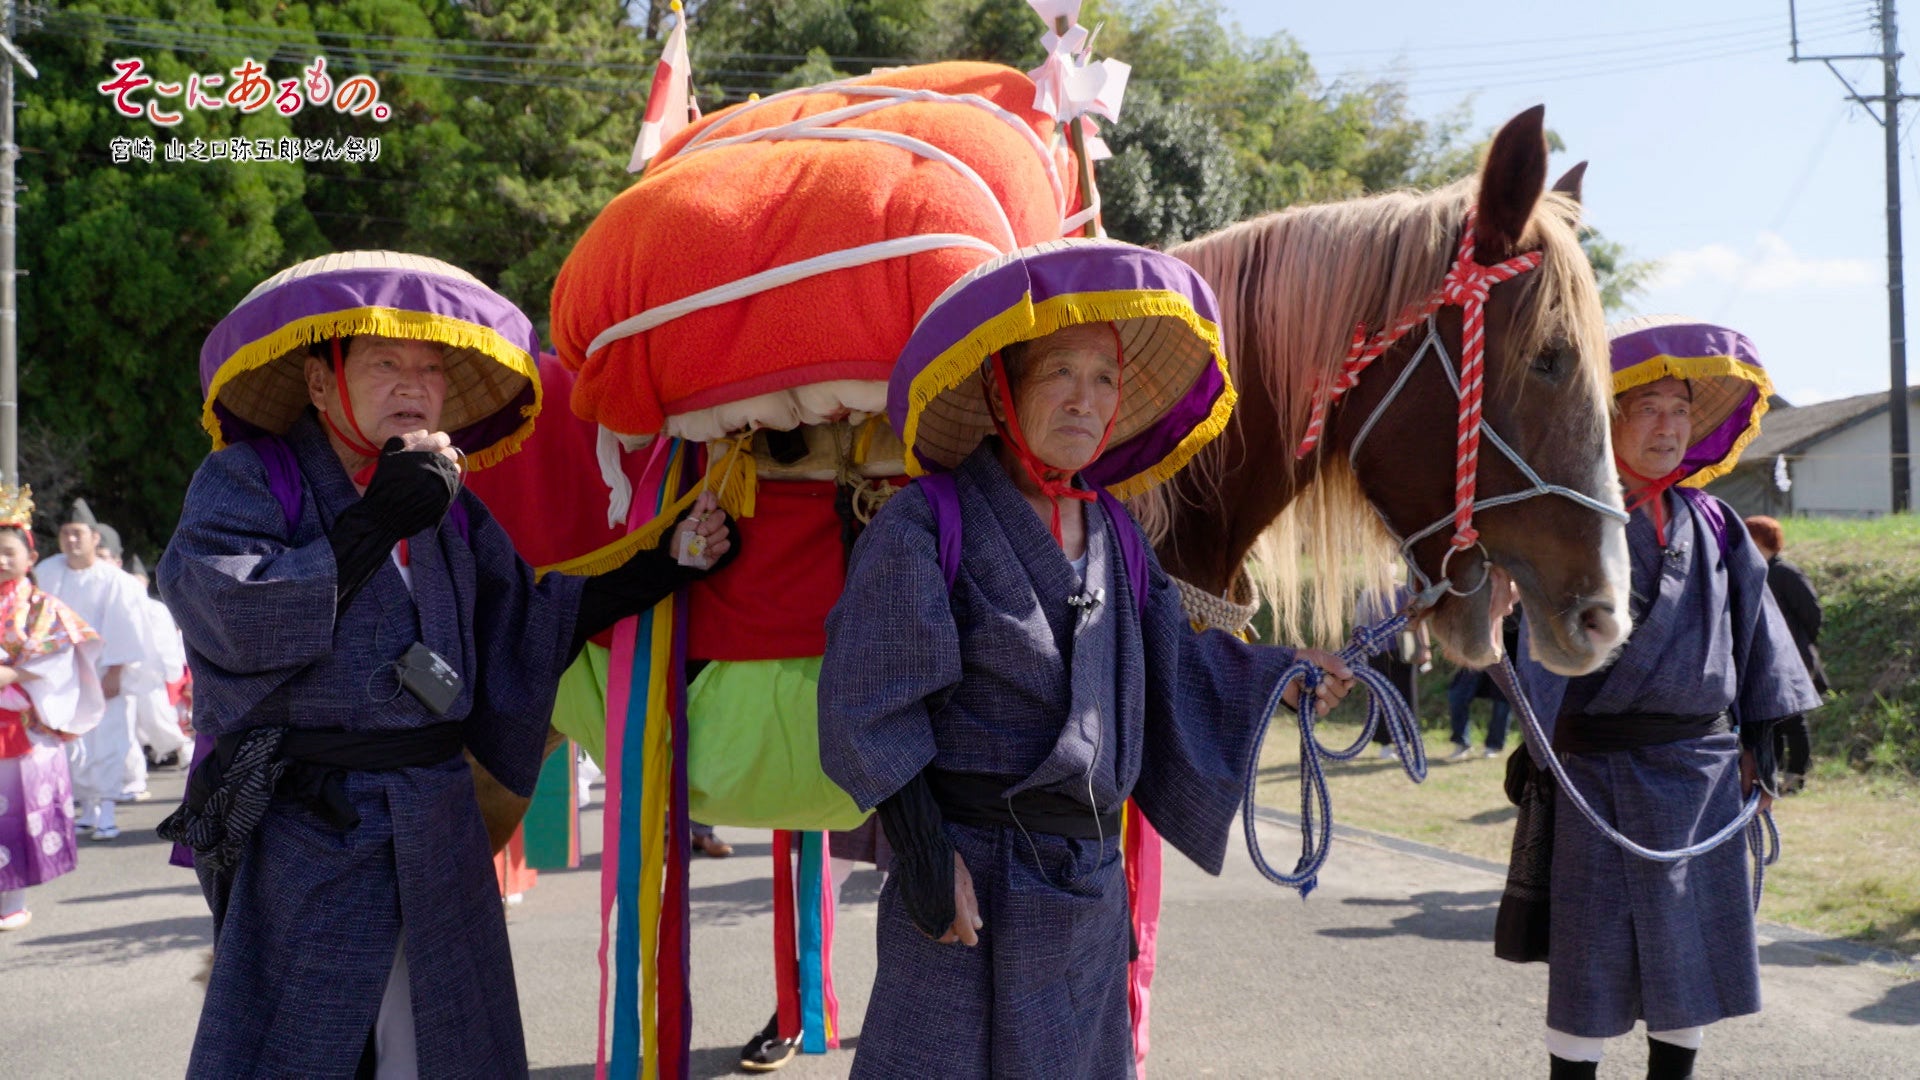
(353, 620)
(1667, 740)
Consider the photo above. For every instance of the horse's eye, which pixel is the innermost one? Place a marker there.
(1554, 361)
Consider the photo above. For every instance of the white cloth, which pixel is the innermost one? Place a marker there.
(395, 1044)
(156, 722)
(106, 762)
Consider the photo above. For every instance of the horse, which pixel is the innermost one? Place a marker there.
(1293, 286)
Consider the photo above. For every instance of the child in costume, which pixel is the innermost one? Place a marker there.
(49, 696)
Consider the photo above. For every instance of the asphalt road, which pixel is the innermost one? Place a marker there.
(1386, 971)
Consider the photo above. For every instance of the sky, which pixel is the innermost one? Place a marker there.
(1758, 188)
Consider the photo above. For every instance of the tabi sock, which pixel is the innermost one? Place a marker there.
(1665, 1061)
(1573, 1070)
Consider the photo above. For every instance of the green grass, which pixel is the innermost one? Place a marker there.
(1867, 573)
(1850, 863)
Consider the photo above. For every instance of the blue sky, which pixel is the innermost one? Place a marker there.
(1760, 190)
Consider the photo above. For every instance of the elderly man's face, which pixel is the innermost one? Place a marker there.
(79, 543)
(397, 385)
(1067, 392)
(1653, 426)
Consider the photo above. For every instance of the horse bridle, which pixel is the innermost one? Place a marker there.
(1466, 286)
(1431, 591)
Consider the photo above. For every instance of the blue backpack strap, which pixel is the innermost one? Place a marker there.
(943, 498)
(283, 476)
(1710, 512)
(1133, 553)
(289, 487)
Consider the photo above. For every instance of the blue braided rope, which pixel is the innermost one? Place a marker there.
(1763, 838)
(1384, 706)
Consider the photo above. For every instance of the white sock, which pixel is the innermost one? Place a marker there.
(1689, 1038)
(1574, 1047)
(12, 901)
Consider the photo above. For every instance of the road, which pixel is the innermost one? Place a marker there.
(1386, 971)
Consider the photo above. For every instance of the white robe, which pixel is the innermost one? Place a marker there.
(106, 763)
(156, 722)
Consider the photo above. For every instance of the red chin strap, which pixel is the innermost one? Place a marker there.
(358, 441)
(1642, 491)
(1053, 483)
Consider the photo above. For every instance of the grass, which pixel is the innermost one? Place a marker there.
(1867, 573)
(1851, 862)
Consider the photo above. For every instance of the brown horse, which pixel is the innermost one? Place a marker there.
(1292, 286)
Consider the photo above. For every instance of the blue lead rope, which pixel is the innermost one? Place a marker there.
(1384, 706)
(1763, 838)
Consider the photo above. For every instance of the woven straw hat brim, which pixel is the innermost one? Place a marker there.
(1729, 387)
(1174, 392)
(253, 365)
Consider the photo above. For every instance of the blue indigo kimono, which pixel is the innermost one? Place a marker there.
(1671, 944)
(1003, 678)
(305, 936)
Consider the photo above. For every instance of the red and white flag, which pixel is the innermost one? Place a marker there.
(670, 105)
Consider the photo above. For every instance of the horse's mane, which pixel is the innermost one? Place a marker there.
(1292, 285)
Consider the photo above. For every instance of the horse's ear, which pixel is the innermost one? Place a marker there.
(1569, 184)
(1511, 183)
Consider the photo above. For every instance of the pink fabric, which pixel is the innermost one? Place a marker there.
(1143, 895)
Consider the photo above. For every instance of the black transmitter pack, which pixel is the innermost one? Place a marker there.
(429, 678)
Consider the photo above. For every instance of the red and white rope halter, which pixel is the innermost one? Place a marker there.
(1466, 286)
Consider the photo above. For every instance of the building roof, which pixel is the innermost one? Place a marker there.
(1789, 429)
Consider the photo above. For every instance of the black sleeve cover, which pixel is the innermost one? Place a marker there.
(409, 493)
(638, 584)
(922, 855)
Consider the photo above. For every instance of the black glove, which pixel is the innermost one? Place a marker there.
(643, 581)
(1758, 740)
(409, 493)
(922, 856)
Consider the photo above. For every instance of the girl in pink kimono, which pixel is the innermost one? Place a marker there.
(49, 695)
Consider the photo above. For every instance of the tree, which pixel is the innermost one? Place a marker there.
(1171, 177)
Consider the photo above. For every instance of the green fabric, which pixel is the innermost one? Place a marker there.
(553, 815)
(580, 710)
(753, 755)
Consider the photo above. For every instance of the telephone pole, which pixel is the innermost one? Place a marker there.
(9, 313)
(1888, 118)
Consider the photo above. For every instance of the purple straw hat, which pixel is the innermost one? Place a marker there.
(1730, 389)
(1175, 396)
(252, 367)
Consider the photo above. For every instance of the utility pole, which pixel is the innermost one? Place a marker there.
(9, 311)
(1889, 119)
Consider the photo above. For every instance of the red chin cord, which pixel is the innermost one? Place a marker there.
(1644, 491)
(358, 441)
(1053, 483)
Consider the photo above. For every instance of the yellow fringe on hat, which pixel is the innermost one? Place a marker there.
(393, 323)
(1026, 321)
(1655, 368)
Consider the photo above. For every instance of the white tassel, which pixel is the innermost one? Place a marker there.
(607, 449)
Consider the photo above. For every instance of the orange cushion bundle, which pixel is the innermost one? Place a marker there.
(712, 215)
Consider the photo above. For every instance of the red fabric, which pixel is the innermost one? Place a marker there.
(716, 216)
(549, 497)
(13, 735)
(1642, 491)
(772, 602)
(786, 939)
